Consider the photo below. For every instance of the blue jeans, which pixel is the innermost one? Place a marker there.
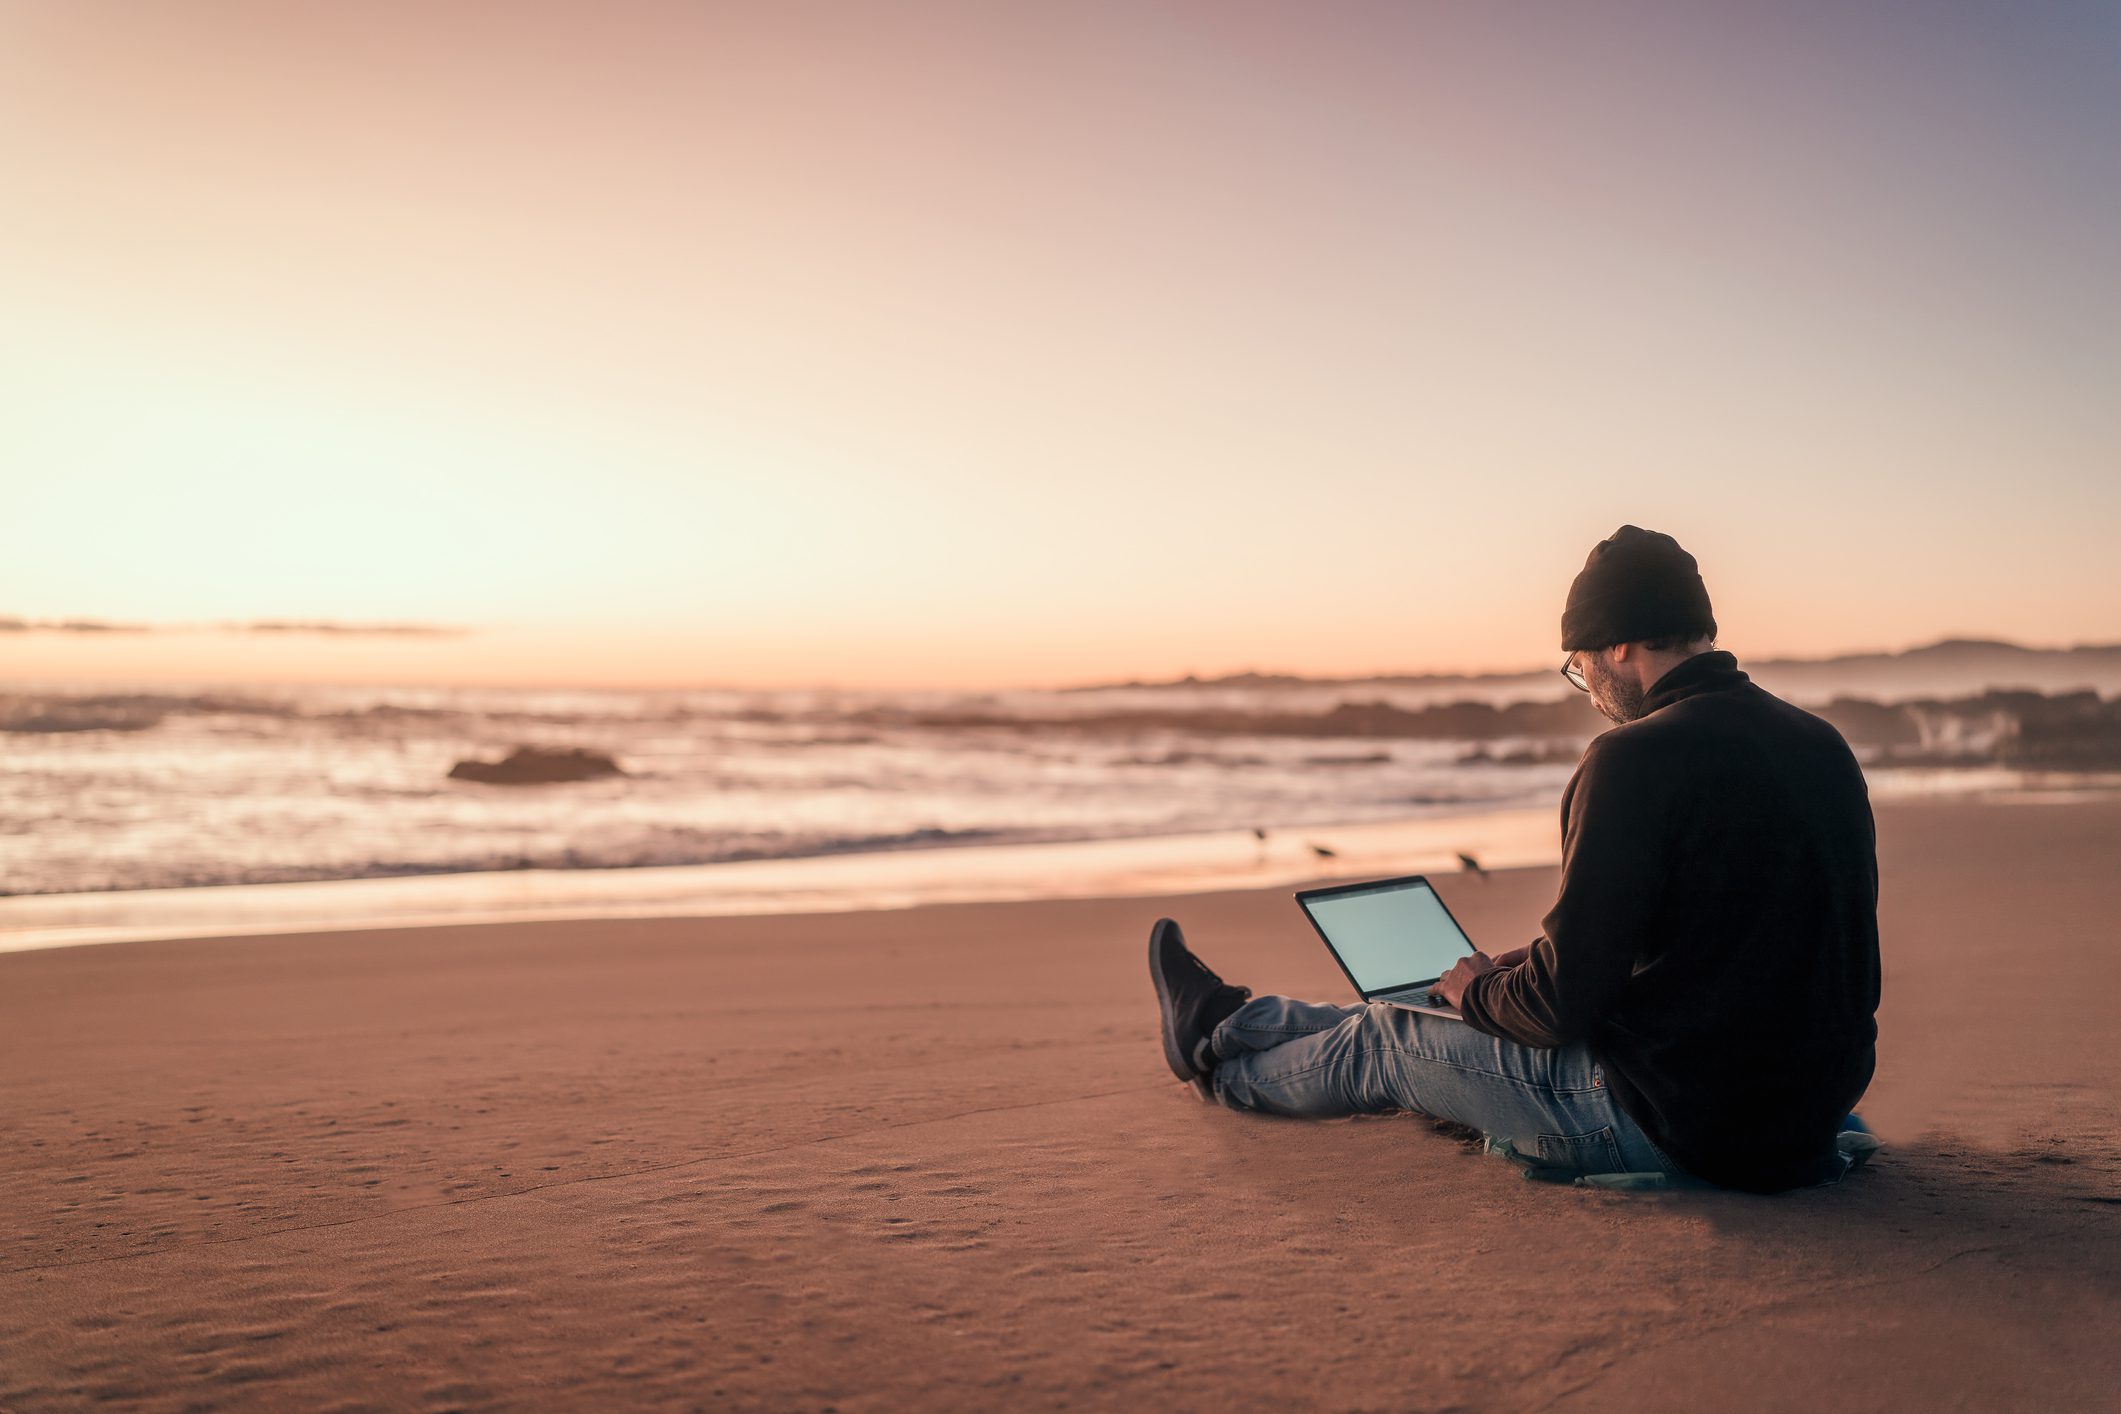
(1281, 1056)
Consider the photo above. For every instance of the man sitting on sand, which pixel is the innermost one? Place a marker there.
(1701, 998)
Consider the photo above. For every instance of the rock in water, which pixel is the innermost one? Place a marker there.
(538, 765)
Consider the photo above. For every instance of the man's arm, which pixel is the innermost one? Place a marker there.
(1452, 985)
(1614, 856)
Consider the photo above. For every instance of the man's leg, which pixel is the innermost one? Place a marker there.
(1281, 1056)
(1266, 1022)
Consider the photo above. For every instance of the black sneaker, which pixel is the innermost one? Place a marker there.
(1191, 998)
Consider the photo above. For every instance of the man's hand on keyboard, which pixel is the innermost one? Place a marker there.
(1452, 985)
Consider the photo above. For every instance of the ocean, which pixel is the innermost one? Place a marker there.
(149, 791)
(256, 785)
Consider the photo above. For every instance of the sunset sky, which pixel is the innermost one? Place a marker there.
(1030, 343)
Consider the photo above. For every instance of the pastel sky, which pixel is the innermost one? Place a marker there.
(1023, 343)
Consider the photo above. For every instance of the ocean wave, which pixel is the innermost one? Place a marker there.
(120, 712)
(1449, 721)
(1193, 758)
(675, 847)
(300, 783)
(2029, 730)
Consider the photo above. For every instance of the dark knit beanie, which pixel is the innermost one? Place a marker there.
(1637, 584)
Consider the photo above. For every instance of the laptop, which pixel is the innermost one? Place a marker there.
(1393, 937)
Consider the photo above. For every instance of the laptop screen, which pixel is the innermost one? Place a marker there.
(1390, 934)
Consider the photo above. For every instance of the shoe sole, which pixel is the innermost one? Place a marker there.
(1181, 1065)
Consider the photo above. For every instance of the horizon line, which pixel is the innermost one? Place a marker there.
(1189, 678)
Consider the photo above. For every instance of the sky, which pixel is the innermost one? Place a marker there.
(961, 345)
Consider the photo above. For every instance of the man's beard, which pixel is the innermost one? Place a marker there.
(1619, 698)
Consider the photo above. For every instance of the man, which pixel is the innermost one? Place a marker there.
(1701, 998)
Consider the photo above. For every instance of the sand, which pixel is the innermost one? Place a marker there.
(931, 1158)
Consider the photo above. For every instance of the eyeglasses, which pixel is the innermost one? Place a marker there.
(1574, 674)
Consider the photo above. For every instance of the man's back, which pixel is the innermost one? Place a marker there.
(1715, 940)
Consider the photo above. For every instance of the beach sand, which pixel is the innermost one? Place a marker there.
(932, 1158)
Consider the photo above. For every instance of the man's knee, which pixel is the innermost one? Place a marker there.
(1420, 1034)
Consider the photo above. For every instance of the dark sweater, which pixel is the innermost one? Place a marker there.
(1715, 942)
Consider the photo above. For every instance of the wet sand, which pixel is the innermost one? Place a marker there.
(931, 1158)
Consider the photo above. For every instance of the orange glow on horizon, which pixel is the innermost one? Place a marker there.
(589, 656)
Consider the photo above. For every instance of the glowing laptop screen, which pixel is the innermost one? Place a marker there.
(1390, 935)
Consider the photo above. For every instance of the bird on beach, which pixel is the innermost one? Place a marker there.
(1470, 865)
(1322, 852)
(1260, 849)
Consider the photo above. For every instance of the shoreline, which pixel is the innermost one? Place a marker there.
(1113, 866)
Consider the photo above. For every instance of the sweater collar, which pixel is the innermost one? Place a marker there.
(1713, 671)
